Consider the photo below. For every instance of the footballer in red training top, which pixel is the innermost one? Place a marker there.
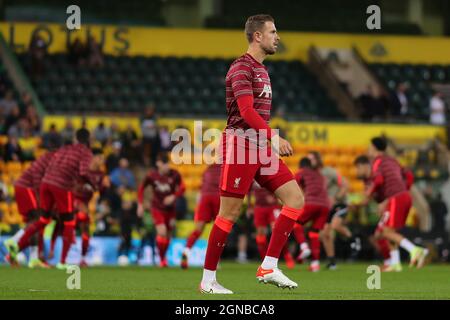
(206, 210)
(265, 210)
(26, 190)
(83, 193)
(317, 206)
(391, 182)
(68, 165)
(248, 104)
(167, 185)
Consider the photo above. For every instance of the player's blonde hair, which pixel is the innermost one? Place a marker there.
(256, 23)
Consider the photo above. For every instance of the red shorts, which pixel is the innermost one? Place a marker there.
(52, 195)
(82, 217)
(164, 217)
(238, 172)
(397, 211)
(26, 201)
(264, 216)
(208, 208)
(316, 213)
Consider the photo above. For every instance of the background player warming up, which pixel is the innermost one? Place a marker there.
(68, 165)
(206, 210)
(166, 186)
(248, 101)
(27, 198)
(316, 207)
(389, 181)
(265, 210)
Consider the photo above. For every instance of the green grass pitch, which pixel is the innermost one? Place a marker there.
(348, 282)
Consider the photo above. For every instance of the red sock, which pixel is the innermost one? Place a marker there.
(384, 248)
(281, 230)
(162, 243)
(216, 242)
(299, 233)
(84, 243)
(261, 243)
(69, 227)
(192, 238)
(31, 230)
(315, 245)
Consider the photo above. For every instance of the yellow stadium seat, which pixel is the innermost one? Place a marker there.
(6, 179)
(26, 165)
(3, 140)
(13, 167)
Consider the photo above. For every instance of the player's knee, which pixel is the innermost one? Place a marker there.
(295, 201)
(231, 214)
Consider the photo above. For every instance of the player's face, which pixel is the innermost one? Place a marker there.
(269, 38)
(313, 160)
(162, 167)
(362, 171)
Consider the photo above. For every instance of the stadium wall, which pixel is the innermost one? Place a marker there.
(118, 40)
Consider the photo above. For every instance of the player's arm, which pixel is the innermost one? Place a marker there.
(180, 188)
(241, 83)
(144, 184)
(343, 186)
(84, 167)
(408, 176)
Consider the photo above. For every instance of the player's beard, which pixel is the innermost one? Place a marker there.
(269, 51)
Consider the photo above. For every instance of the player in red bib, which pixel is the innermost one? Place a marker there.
(166, 185)
(390, 181)
(68, 165)
(265, 210)
(247, 155)
(206, 210)
(317, 206)
(26, 190)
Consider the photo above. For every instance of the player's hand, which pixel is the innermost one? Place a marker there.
(140, 210)
(284, 148)
(87, 188)
(169, 200)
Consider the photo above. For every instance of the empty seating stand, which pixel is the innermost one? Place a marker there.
(177, 86)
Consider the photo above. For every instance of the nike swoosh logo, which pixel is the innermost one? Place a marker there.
(264, 272)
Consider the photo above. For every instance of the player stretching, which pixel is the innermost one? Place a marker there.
(206, 210)
(248, 101)
(166, 185)
(68, 164)
(26, 190)
(316, 207)
(337, 187)
(388, 178)
(266, 209)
